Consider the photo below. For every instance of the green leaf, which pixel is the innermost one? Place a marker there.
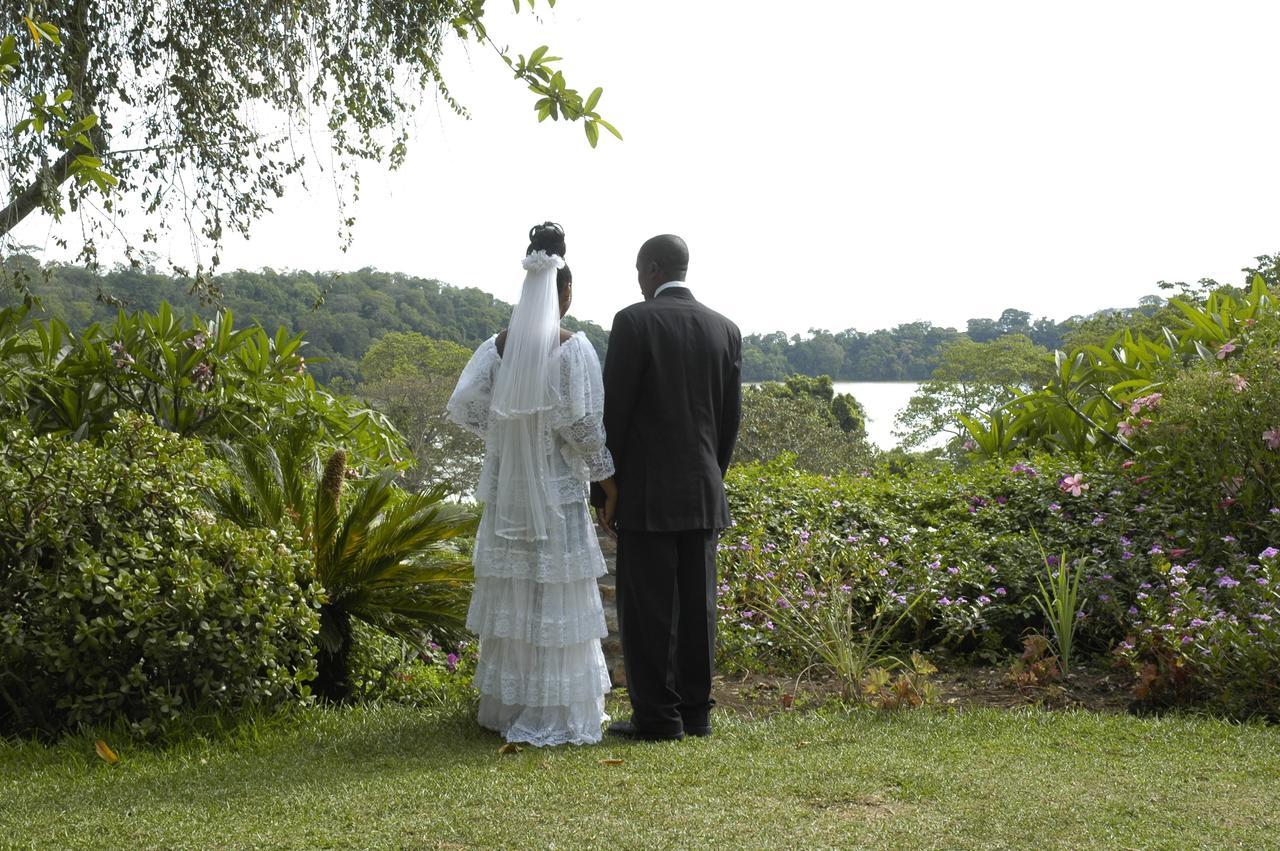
(606, 125)
(593, 99)
(593, 132)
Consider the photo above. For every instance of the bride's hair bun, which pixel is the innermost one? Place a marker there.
(548, 237)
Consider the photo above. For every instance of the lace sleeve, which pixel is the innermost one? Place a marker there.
(469, 404)
(580, 414)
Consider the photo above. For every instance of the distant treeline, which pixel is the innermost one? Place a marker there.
(343, 313)
(908, 352)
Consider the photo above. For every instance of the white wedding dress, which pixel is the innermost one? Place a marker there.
(536, 607)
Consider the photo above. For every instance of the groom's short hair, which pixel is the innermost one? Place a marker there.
(670, 252)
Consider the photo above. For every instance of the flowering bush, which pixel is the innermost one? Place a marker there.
(1209, 449)
(123, 599)
(1210, 632)
(962, 538)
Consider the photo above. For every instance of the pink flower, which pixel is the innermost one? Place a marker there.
(1226, 349)
(1073, 485)
(1238, 383)
(1125, 428)
(1127, 464)
(1271, 437)
(970, 444)
(1149, 401)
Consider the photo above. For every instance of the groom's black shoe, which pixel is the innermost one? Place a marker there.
(699, 730)
(630, 731)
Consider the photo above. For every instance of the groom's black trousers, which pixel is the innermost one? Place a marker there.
(667, 616)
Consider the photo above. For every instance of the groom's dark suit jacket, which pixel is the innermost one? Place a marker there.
(673, 395)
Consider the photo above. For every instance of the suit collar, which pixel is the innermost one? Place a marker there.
(680, 291)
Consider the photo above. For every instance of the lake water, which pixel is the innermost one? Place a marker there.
(882, 400)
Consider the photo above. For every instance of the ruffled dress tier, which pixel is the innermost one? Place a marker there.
(536, 607)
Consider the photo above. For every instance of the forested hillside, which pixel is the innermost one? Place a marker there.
(342, 314)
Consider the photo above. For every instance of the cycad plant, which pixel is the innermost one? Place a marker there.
(386, 557)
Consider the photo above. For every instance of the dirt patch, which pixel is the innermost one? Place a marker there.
(1094, 689)
(861, 809)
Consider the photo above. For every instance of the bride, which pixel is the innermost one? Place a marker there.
(534, 393)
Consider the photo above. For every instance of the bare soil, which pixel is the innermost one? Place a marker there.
(1094, 689)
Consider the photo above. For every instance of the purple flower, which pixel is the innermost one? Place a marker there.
(943, 601)
(983, 600)
(1000, 592)
(1227, 582)
(1269, 552)
(1053, 506)
(953, 570)
(451, 661)
(884, 542)
(747, 614)
(1098, 520)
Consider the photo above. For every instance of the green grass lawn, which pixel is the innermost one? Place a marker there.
(397, 777)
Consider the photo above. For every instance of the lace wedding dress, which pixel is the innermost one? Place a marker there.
(536, 607)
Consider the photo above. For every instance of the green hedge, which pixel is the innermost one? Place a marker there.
(123, 598)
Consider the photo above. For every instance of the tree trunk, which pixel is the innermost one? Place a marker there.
(75, 27)
(333, 661)
(46, 182)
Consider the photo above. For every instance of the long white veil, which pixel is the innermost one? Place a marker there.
(525, 393)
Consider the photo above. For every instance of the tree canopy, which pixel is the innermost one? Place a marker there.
(205, 108)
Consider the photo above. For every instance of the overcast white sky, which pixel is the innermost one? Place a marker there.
(840, 164)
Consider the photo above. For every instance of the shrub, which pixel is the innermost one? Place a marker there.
(123, 599)
(422, 673)
(193, 377)
(775, 422)
(1209, 447)
(1210, 634)
(961, 536)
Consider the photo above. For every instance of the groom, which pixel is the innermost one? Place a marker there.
(672, 401)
